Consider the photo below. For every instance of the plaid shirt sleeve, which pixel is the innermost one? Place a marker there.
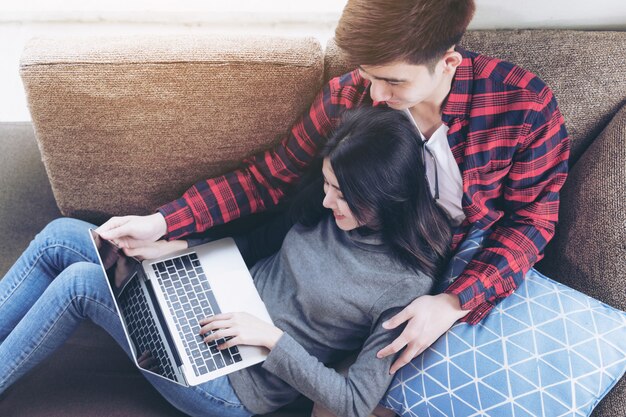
(263, 179)
(530, 206)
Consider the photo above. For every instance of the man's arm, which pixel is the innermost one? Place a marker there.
(531, 205)
(265, 178)
(530, 210)
(261, 183)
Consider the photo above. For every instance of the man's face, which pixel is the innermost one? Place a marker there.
(403, 85)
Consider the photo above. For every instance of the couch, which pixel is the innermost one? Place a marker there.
(123, 125)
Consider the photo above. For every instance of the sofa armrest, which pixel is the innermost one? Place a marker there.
(127, 124)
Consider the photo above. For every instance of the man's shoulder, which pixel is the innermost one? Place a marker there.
(349, 88)
(497, 75)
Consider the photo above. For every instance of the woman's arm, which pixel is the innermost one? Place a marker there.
(353, 395)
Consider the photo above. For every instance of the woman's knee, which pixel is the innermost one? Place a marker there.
(83, 280)
(64, 241)
(65, 228)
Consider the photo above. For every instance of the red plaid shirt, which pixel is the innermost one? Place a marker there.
(505, 132)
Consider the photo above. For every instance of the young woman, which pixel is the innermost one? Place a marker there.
(340, 273)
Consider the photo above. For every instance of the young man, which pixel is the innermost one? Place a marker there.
(496, 143)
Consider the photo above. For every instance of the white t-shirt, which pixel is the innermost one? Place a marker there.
(449, 175)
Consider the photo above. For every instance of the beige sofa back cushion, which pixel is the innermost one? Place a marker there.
(585, 69)
(127, 124)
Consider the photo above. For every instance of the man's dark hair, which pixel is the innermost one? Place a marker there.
(379, 32)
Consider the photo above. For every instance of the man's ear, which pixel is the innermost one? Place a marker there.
(451, 60)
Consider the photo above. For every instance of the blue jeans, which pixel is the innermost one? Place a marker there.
(55, 285)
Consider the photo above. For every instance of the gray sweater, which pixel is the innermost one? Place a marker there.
(329, 291)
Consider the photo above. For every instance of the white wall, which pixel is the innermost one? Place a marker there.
(23, 19)
(581, 14)
(550, 14)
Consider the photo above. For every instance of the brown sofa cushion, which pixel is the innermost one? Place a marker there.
(127, 124)
(589, 250)
(583, 68)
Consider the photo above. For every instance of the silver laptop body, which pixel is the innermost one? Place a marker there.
(160, 302)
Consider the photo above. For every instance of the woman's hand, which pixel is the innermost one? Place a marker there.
(242, 328)
(127, 230)
(428, 316)
(151, 250)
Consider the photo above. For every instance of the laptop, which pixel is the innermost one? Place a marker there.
(161, 301)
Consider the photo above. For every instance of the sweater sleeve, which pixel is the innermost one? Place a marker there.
(353, 395)
(358, 392)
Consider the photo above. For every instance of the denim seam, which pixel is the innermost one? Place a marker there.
(17, 365)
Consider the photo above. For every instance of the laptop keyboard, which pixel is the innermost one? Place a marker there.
(190, 299)
(142, 327)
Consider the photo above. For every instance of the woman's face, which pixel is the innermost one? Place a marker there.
(334, 199)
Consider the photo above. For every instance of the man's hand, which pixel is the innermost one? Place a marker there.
(127, 230)
(145, 249)
(243, 328)
(428, 316)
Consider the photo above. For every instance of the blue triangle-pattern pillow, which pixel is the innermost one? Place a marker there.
(546, 350)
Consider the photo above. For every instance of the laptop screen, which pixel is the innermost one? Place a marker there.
(144, 325)
(119, 267)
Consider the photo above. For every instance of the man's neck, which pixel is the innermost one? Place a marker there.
(427, 114)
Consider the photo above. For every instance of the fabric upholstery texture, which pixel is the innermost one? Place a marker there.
(588, 251)
(26, 201)
(592, 253)
(116, 118)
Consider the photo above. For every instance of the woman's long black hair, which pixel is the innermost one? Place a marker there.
(376, 154)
